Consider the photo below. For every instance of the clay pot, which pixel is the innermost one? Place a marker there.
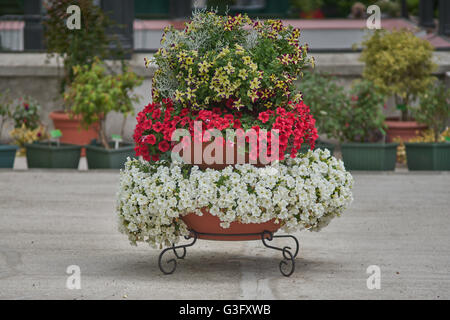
(211, 224)
(72, 130)
(405, 130)
(208, 159)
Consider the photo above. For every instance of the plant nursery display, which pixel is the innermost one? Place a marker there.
(93, 94)
(433, 111)
(7, 152)
(77, 47)
(399, 64)
(234, 76)
(362, 127)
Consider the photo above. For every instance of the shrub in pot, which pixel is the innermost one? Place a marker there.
(93, 94)
(7, 152)
(325, 98)
(361, 127)
(28, 127)
(77, 47)
(433, 111)
(399, 64)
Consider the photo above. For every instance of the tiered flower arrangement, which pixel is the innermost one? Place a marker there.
(229, 74)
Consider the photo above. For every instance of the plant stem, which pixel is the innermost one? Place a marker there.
(102, 134)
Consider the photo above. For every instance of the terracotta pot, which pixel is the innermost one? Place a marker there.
(211, 224)
(72, 131)
(406, 130)
(208, 160)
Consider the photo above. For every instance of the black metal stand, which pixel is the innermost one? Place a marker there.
(286, 266)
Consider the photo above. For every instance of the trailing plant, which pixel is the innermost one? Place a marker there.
(94, 93)
(325, 97)
(79, 47)
(434, 108)
(399, 64)
(216, 59)
(157, 123)
(362, 119)
(310, 191)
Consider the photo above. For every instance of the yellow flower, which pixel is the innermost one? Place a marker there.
(247, 60)
(204, 67)
(189, 60)
(254, 84)
(179, 96)
(239, 49)
(243, 74)
(252, 95)
(190, 94)
(229, 68)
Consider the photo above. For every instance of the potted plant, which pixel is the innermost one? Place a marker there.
(361, 129)
(27, 123)
(399, 64)
(433, 111)
(7, 152)
(325, 98)
(233, 76)
(93, 94)
(77, 47)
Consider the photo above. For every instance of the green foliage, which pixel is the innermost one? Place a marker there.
(398, 63)
(94, 93)
(389, 7)
(325, 98)
(362, 119)
(307, 5)
(78, 47)
(434, 108)
(219, 59)
(26, 113)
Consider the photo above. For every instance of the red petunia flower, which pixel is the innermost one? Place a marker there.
(163, 146)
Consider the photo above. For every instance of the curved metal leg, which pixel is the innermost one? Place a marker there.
(178, 256)
(289, 259)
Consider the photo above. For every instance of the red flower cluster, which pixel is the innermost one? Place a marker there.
(157, 123)
(294, 127)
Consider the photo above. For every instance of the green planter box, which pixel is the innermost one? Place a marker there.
(7, 156)
(101, 158)
(428, 156)
(50, 156)
(369, 156)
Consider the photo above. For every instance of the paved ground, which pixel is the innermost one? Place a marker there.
(52, 219)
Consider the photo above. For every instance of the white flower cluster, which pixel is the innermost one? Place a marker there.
(301, 193)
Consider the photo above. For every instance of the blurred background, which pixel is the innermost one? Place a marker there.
(333, 30)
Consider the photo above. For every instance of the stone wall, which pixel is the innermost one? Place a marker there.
(34, 75)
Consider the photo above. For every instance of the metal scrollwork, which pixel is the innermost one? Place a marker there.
(174, 248)
(286, 266)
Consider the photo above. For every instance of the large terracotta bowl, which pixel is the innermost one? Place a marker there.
(208, 224)
(208, 159)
